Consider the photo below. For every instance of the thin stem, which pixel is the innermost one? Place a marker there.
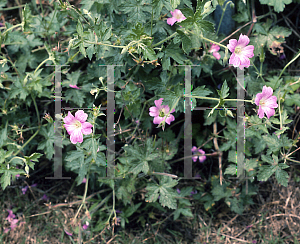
(99, 43)
(11, 8)
(36, 109)
(11, 28)
(223, 12)
(84, 197)
(37, 68)
(287, 66)
(259, 74)
(292, 152)
(206, 39)
(169, 37)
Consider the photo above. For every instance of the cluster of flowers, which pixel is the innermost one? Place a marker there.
(77, 126)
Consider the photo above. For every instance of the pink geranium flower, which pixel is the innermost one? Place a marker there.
(240, 52)
(74, 86)
(266, 102)
(76, 126)
(177, 16)
(201, 158)
(159, 113)
(214, 50)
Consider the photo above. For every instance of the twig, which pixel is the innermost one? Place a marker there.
(231, 237)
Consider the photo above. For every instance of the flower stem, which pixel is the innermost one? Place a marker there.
(297, 56)
(223, 12)
(36, 109)
(259, 73)
(206, 39)
(11, 28)
(169, 37)
(99, 43)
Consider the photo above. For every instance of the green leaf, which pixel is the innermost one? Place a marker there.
(186, 44)
(175, 3)
(278, 5)
(231, 170)
(224, 92)
(282, 177)
(175, 52)
(47, 145)
(164, 190)
(149, 53)
(265, 172)
(201, 91)
(220, 192)
(79, 28)
(136, 10)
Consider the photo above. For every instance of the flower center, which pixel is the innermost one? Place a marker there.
(77, 124)
(262, 102)
(161, 113)
(237, 50)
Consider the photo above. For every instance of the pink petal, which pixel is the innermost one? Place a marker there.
(214, 48)
(170, 119)
(232, 44)
(70, 128)
(248, 51)
(154, 111)
(243, 40)
(269, 111)
(260, 112)
(202, 159)
(194, 149)
(171, 21)
(81, 116)
(217, 55)
(271, 102)
(157, 120)
(258, 98)
(74, 86)
(86, 128)
(76, 136)
(267, 92)
(178, 15)
(195, 158)
(69, 118)
(158, 102)
(234, 60)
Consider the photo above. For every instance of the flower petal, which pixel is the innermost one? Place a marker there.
(243, 40)
(86, 128)
(217, 55)
(158, 102)
(69, 118)
(81, 116)
(154, 111)
(171, 21)
(76, 136)
(157, 120)
(232, 44)
(170, 119)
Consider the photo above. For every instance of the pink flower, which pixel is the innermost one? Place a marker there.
(201, 158)
(76, 126)
(74, 86)
(45, 197)
(159, 113)
(266, 102)
(240, 53)
(10, 215)
(84, 180)
(214, 50)
(86, 225)
(24, 189)
(68, 233)
(177, 16)
(11, 219)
